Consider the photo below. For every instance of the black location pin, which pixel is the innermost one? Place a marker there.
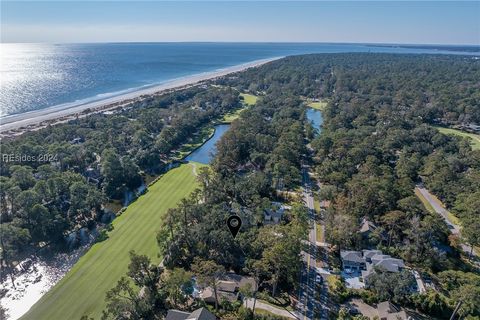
(234, 223)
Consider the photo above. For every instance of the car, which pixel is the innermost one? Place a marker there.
(318, 279)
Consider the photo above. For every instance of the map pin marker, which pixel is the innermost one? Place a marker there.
(234, 223)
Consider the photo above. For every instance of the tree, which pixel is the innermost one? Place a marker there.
(178, 285)
(112, 171)
(281, 253)
(464, 287)
(78, 198)
(13, 240)
(394, 222)
(341, 230)
(396, 286)
(125, 302)
(208, 274)
(144, 274)
(131, 174)
(469, 295)
(260, 272)
(432, 303)
(471, 231)
(22, 176)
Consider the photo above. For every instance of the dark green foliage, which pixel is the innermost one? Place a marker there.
(391, 286)
(96, 159)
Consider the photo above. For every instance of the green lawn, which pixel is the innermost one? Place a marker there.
(229, 117)
(259, 311)
(82, 290)
(319, 234)
(249, 99)
(474, 138)
(424, 201)
(319, 105)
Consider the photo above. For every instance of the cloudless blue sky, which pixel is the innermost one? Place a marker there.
(435, 22)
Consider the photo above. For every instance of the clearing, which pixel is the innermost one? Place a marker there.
(319, 105)
(248, 100)
(82, 290)
(474, 138)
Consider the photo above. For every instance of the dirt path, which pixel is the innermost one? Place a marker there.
(194, 169)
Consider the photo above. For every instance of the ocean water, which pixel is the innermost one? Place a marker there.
(37, 76)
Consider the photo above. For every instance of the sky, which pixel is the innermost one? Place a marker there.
(426, 22)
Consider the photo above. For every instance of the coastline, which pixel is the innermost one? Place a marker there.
(17, 124)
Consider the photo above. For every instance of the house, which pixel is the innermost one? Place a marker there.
(375, 259)
(367, 227)
(93, 174)
(227, 288)
(388, 311)
(352, 260)
(473, 128)
(199, 314)
(366, 261)
(77, 140)
(275, 214)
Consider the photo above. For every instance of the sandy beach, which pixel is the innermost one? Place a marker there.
(17, 124)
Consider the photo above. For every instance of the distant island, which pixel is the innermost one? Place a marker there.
(463, 48)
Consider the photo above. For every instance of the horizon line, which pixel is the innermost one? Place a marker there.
(258, 42)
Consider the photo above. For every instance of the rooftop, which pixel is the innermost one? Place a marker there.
(199, 314)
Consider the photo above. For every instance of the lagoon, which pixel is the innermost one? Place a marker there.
(316, 119)
(205, 153)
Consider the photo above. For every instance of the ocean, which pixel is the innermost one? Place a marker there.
(38, 76)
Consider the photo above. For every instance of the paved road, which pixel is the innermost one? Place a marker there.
(440, 209)
(309, 306)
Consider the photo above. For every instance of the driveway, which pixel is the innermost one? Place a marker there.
(272, 309)
(352, 280)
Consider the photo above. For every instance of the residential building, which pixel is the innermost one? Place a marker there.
(199, 314)
(367, 227)
(366, 261)
(227, 288)
(375, 259)
(352, 260)
(388, 311)
(275, 214)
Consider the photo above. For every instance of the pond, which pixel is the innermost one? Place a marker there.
(315, 117)
(205, 153)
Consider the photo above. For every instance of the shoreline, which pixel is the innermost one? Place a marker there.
(17, 124)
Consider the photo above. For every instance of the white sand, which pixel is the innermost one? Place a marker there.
(32, 119)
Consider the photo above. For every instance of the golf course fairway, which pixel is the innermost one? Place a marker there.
(82, 290)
